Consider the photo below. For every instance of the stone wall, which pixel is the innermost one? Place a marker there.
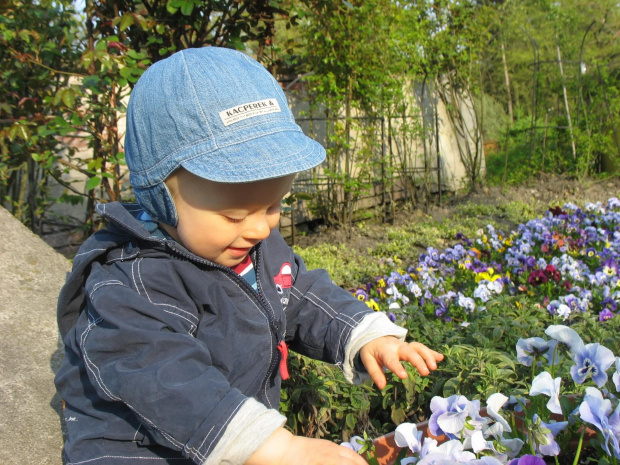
(32, 274)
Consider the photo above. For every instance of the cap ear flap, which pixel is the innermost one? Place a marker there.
(157, 201)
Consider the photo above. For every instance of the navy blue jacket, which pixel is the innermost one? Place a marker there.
(170, 358)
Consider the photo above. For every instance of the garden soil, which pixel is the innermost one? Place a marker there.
(541, 193)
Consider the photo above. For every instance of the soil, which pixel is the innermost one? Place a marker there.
(542, 193)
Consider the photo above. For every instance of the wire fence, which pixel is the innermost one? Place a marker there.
(400, 163)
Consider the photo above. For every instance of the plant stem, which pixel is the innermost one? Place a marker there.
(578, 452)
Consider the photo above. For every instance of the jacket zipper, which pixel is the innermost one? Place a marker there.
(276, 336)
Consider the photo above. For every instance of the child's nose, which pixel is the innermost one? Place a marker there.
(258, 229)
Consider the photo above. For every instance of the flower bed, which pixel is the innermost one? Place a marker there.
(545, 423)
(482, 297)
(567, 262)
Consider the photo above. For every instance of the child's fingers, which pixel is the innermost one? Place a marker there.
(374, 369)
(421, 357)
(415, 358)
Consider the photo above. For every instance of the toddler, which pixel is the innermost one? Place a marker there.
(177, 318)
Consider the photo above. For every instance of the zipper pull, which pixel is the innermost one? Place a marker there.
(282, 347)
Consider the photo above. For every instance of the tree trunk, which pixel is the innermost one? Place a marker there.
(507, 80)
(570, 125)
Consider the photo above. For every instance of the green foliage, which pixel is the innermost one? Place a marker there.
(562, 121)
(36, 64)
(319, 402)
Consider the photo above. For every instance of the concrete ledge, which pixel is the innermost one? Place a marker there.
(32, 274)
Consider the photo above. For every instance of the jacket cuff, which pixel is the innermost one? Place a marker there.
(245, 433)
(373, 326)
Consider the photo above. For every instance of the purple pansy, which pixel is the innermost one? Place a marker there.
(592, 360)
(355, 444)
(528, 349)
(449, 415)
(544, 435)
(527, 460)
(596, 410)
(605, 315)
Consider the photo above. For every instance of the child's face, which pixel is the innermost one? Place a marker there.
(222, 222)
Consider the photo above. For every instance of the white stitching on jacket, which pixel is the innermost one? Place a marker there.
(219, 432)
(192, 322)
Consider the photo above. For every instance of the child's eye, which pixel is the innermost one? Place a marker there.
(233, 220)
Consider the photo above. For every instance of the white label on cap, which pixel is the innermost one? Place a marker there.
(249, 110)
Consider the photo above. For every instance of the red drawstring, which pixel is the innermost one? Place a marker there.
(283, 356)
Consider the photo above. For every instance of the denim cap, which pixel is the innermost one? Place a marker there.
(217, 113)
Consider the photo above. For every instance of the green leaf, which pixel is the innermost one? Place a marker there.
(171, 9)
(348, 5)
(93, 182)
(398, 415)
(90, 81)
(141, 21)
(451, 387)
(68, 97)
(19, 131)
(350, 421)
(187, 8)
(87, 58)
(126, 21)
(125, 72)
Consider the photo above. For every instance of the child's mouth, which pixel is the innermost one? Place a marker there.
(238, 252)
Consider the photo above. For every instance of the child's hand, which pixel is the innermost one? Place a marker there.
(282, 448)
(388, 351)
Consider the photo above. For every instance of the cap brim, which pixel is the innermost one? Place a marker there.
(269, 156)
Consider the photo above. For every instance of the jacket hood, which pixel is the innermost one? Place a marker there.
(123, 230)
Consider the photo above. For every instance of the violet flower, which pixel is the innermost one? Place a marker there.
(564, 311)
(544, 384)
(528, 349)
(448, 451)
(565, 335)
(449, 415)
(616, 376)
(544, 435)
(592, 360)
(407, 435)
(605, 315)
(596, 410)
(527, 460)
(494, 403)
(362, 295)
(355, 444)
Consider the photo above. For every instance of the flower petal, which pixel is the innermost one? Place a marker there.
(407, 435)
(452, 422)
(566, 335)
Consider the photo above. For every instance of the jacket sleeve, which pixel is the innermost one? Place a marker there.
(144, 355)
(327, 323)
